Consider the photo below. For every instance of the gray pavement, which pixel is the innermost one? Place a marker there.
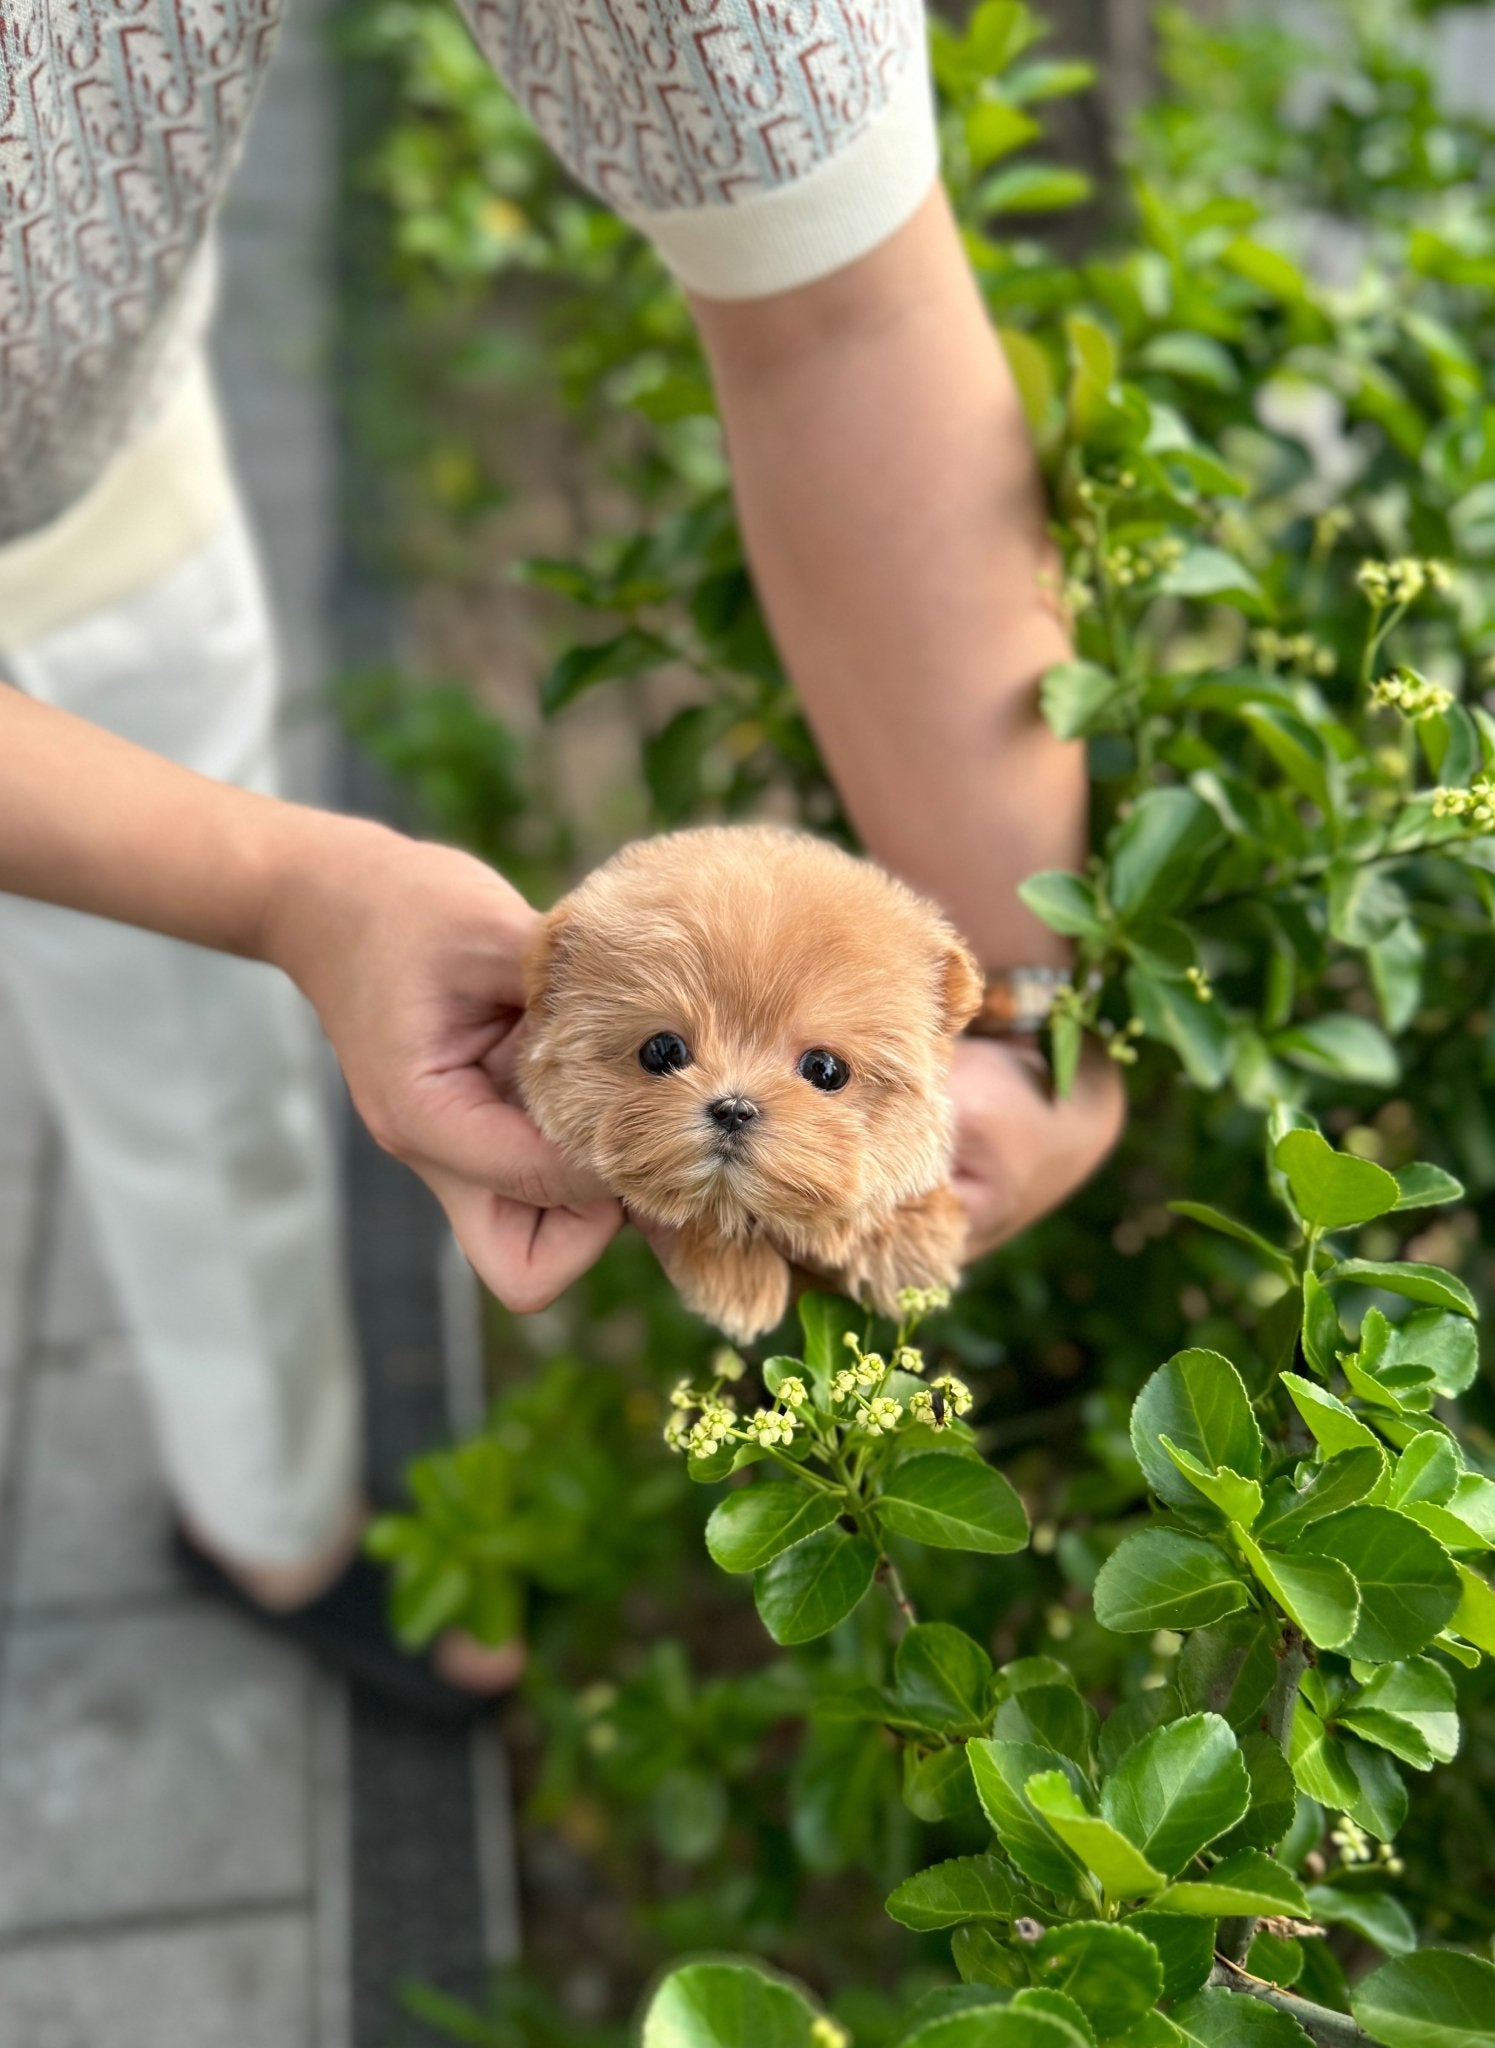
(173, 1813)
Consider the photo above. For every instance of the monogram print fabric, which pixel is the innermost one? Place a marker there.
(121, 120)
(660, 105)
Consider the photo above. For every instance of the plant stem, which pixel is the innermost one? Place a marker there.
(887, 1571)
(1321, 2024)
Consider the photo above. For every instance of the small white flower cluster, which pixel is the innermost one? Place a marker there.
(1404, 580)
(1126, 565)
(867, 1369)
(1476, 804)
(828, 2033)
(881, 1415)
(726, 1364)
(712, 1426)
(940, 1400)
(1201, 984)
(1355, 1847)
(1119, 1044)
(914, 1303)
(1299, 653)
(770, 1426)
(1410, 694)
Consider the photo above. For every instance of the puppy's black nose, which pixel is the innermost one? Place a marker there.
(731, 1112)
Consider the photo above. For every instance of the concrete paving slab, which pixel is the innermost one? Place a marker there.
(150, 1763)
(92, 1520)
(237, 1984)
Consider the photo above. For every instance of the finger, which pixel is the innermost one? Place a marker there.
(461, 1127)
(523, 1255)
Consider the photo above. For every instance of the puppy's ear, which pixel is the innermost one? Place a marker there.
(961, 985)
(545, 957)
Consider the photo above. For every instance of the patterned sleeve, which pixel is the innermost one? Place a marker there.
(758, 143)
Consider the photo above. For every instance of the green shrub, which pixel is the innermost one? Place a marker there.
(1265, 418)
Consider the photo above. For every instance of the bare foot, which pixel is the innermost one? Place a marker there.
(458, 1657)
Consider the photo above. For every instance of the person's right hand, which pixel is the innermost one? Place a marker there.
(411, 955)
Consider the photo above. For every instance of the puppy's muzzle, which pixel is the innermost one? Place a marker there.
(732, 1114)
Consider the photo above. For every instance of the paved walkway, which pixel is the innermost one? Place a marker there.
(173, 1816)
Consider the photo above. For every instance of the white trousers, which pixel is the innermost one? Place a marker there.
(186, 1085)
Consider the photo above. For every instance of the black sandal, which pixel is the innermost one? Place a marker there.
(346, 1628)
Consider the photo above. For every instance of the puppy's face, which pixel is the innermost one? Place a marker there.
(747, 1024)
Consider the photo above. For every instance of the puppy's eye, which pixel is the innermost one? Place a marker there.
(824, 1070)
(664, 1053)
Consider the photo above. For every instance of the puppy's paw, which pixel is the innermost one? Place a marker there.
(740, 1285)
(919, 1245)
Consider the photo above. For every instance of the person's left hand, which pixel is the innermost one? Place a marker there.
(1019, 1150)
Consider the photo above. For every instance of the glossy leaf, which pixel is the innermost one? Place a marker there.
(965, 1888)
(807, 1590)
(1333, 1190)
(1161, 1579)
(1248, 1882)
(1221, 2019)
(1429, 1284)
(1408, 1586)
(724, 2005)
(1001, 1771)
(1114, 1974)
(1123, 1871)
(1196, 1399)
(1434, 1999)
(953, 1503)
(753, 1525)
(1318, 1593)
(942, 1676)
(1178, 1789)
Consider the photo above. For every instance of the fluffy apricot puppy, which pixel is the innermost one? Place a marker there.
(746, 1033)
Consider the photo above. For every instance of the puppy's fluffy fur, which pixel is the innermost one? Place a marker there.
(755, 946)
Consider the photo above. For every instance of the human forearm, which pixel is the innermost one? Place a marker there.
(893, 513)
(93, 823)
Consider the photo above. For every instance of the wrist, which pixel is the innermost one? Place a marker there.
(314, 870)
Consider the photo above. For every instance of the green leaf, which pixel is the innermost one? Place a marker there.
(1032, 188)
(1001, 1770)
(1239, 1500)
(1178, 1789)
(753, 1525)
(1338, 1483)
(1079, 698)
(1333, 1190)
(1159, 853)
(965, 1888)
(994, 129)
(1435, 1999)
(1229, 1668)
(1430, 1284)
(1209, 572)
(953, 1503)
(993, 2027)
(1221, 2019)
(1114, 1974)
(725, 2005)
(1376, 1916)
(1427, 1470)
(942, 1676)
(807, 1590)
(1334, 1428)
(1298, 751)
(825, 1319)
(1408, 1585)
(1274, 1798)
(1318, 1593)
(1196, 357)
(1064, 902)
(1055, 2005)
(1186, 1948)
(628, 654)
(1248, 1882)
(1216, 1219)
(1365, 905)
(1198, 1400)
(938, 1786)
(1054, 1716)
(1123, 1872)
(1446, 1343)
(1410, 1709)
(1162, 1579)
(1345, 1047)
(1426, 1187)
(1173, 1014)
